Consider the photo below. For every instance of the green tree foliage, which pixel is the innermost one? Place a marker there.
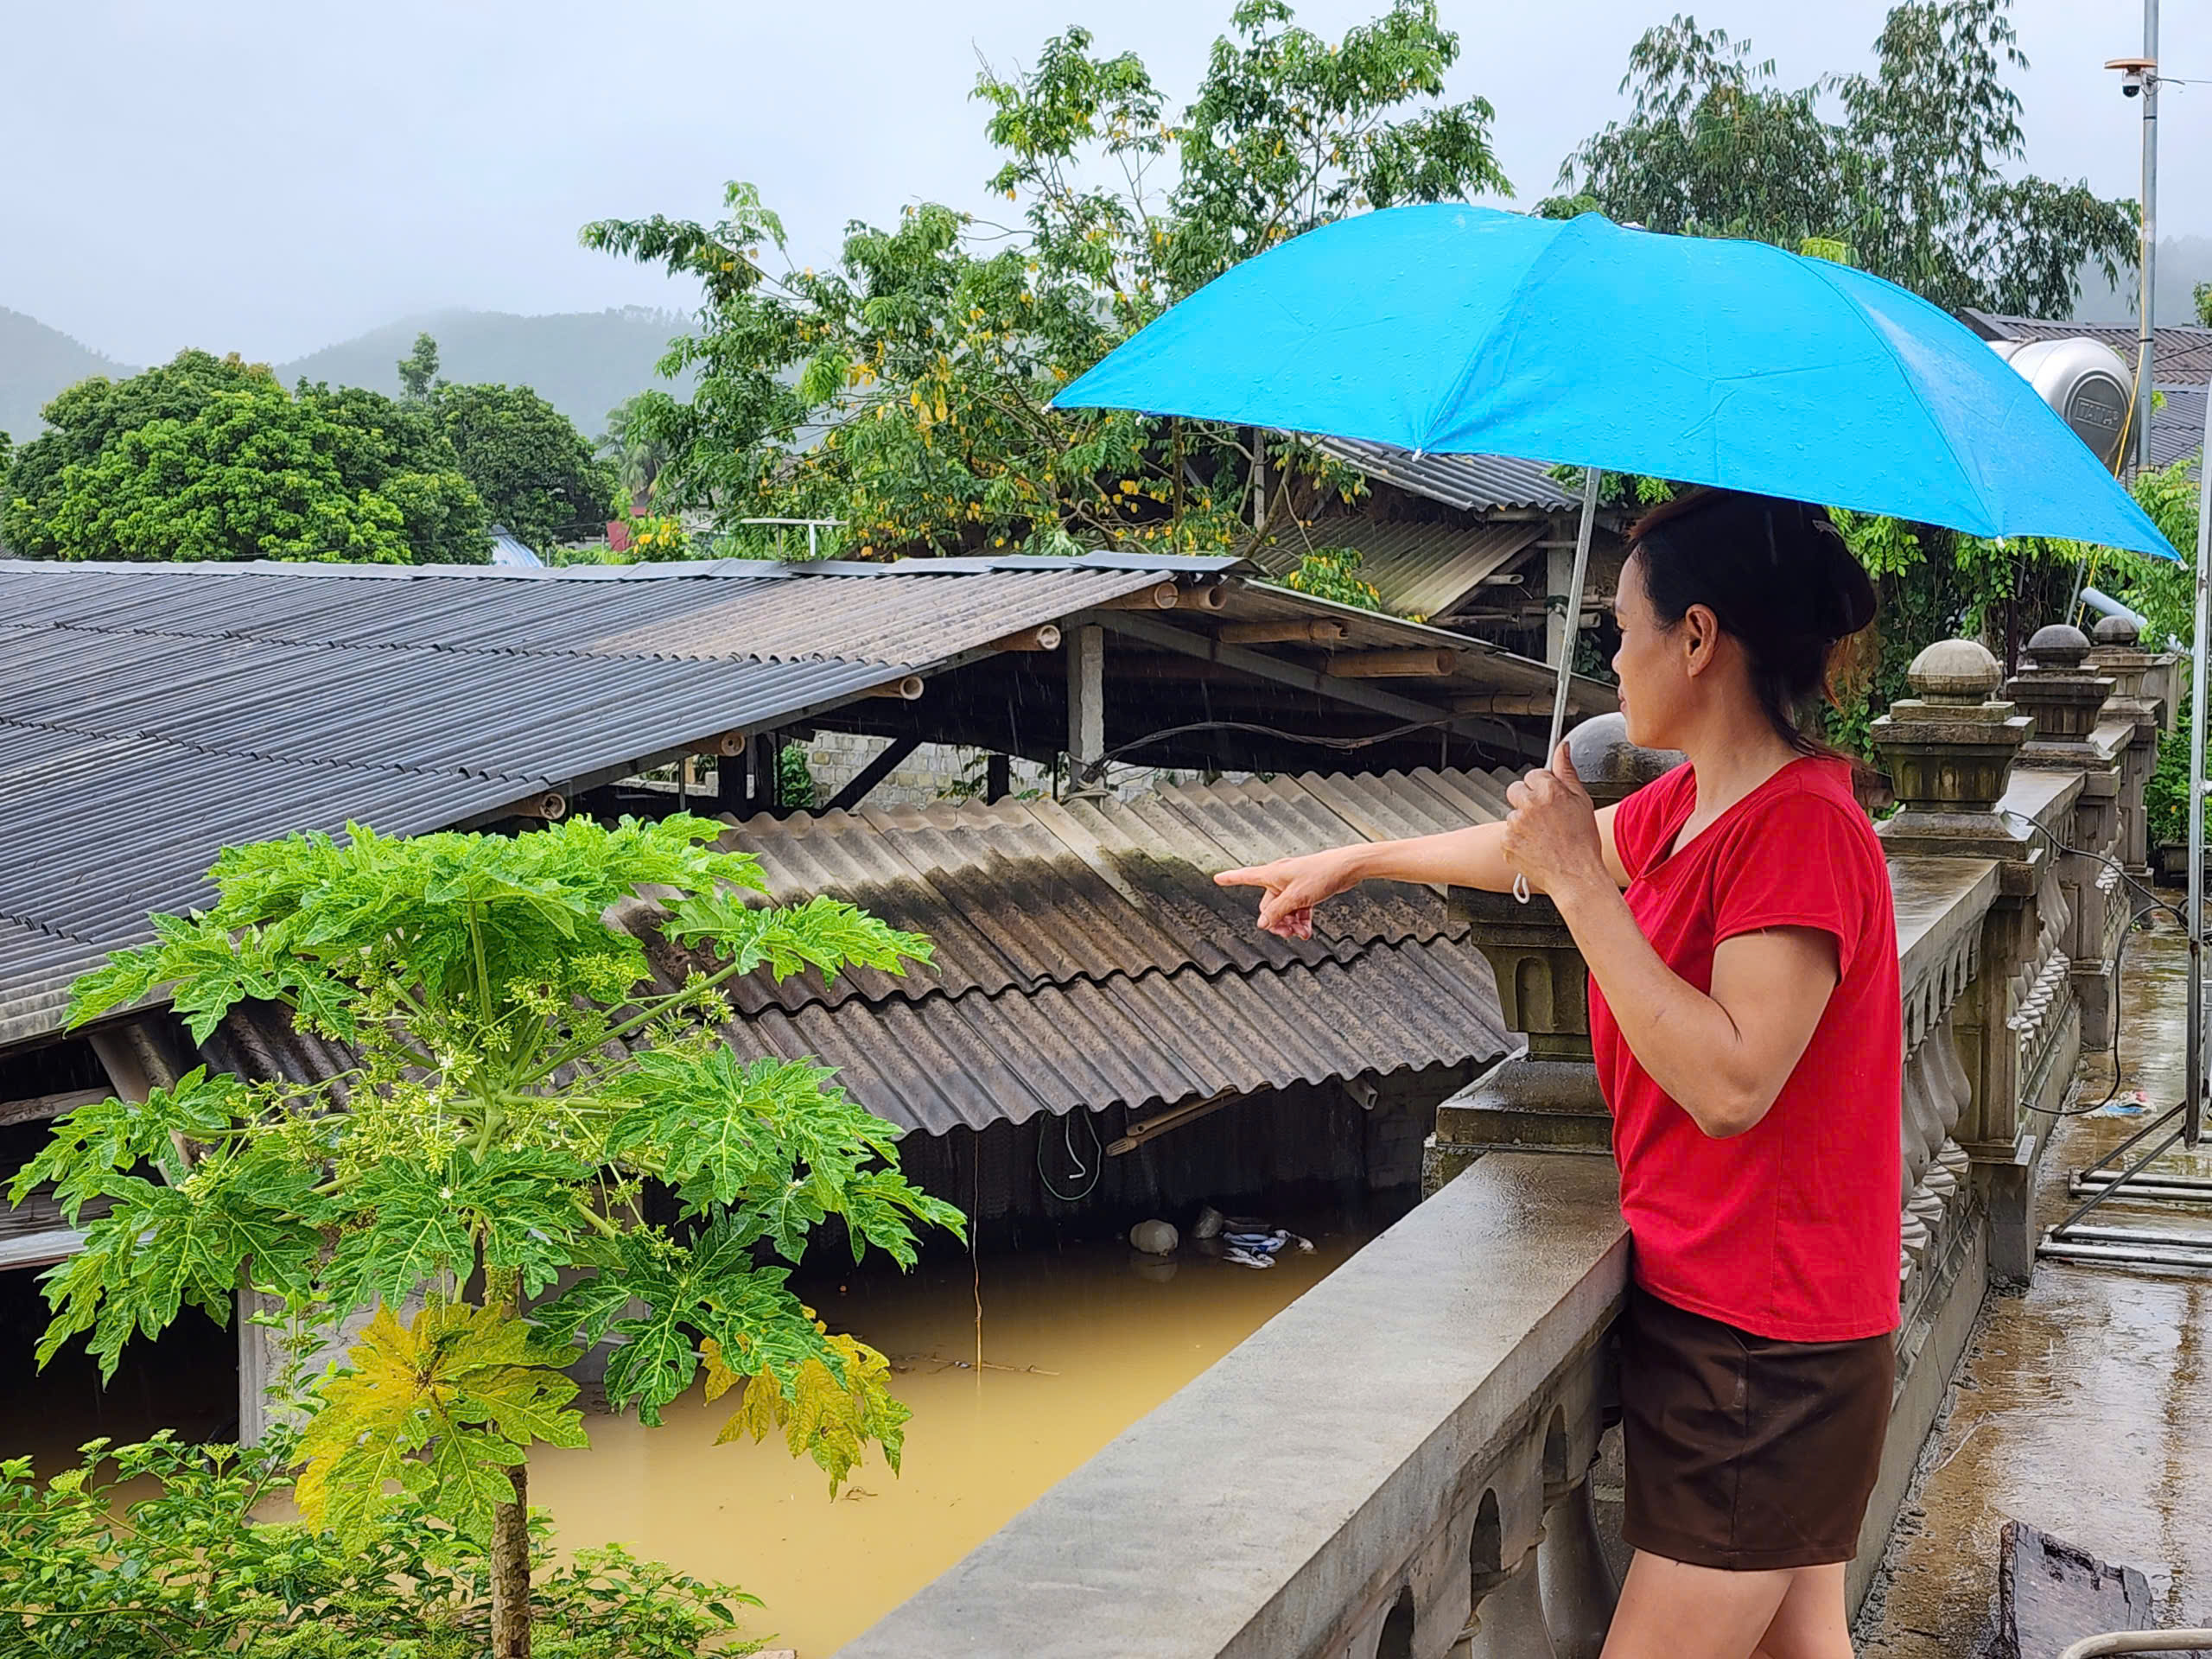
(1918, 179)
(1911, 172)
(536, 473)
(1333, 573)
(903, 391)
(210, 458)
(2202, 294)
(418, 369)
(93, 1568)
(630, 447)
(2165, 594)
(516, 1081)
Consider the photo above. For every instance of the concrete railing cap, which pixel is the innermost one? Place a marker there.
(2059, 645)
(1955, 671)
(1602, 753)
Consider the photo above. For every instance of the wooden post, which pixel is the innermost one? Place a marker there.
(1086, 709)
(998, 777)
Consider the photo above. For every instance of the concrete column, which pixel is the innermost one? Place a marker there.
(2117, 655)
(1086, 655)
(2066, 698)
(1545, 1098)
(1951, 752)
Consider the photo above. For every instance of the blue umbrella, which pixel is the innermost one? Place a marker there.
(1451, 329)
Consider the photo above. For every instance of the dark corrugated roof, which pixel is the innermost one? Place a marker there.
(1470, 483)
(1086, 959)
(1418, 569)
(152, 714)
(1152, 1040)
(2177, 425)
(2180, 353)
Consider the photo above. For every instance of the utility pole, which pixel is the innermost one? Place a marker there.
(2141, 75)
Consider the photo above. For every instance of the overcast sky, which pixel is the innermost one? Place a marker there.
(270, 175)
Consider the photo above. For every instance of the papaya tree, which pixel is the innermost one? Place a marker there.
(476, 1196)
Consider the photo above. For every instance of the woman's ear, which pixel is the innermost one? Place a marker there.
(1701, 635)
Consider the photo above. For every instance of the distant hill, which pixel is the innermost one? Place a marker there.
(2183, 261)
(35, 362)
(582, 362)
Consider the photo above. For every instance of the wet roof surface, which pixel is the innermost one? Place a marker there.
(1084, 957)
(152, 714)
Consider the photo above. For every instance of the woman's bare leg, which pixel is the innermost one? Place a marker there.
(1670, 1609)
(1810, 1623)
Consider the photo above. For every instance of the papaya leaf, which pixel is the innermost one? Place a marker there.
(440, 1408)
(829, 1414)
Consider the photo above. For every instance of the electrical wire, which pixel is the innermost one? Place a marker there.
(1314, 739)
(1076, 1166)
(2152, 906)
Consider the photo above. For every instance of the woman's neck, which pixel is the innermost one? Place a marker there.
(1731, 755)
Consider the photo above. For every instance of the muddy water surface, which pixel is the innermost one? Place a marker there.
(1078, 1344)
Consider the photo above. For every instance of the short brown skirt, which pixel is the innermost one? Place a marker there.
(1743, 1452)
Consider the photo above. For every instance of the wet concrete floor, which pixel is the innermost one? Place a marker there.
(2084, 1406)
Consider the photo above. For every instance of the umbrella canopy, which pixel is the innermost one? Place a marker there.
(1457, 329)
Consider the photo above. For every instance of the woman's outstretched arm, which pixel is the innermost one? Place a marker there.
(1473, 857)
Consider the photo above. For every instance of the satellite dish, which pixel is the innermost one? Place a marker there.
(2085, 380)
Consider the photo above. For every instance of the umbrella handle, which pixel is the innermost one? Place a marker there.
(1521, 887)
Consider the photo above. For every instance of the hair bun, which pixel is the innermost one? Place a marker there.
(1844, 593)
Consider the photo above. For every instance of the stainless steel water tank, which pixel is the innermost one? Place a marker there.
(2085, 380)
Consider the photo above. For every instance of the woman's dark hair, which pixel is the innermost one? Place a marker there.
(1777, 576)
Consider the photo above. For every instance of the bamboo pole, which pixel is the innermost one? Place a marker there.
(1387, 665)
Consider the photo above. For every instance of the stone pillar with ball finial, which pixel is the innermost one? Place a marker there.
(1544, 1099)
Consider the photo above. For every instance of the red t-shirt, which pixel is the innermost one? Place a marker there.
(1789, 1229)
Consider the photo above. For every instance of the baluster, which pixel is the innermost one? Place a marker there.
(1508, 1621)
(1578, 1588)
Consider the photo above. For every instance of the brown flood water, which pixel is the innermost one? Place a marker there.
(1089, 1337)
(1109, 1333)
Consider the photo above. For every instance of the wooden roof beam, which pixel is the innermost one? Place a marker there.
(1166, 637)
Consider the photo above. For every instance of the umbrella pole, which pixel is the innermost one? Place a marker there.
(1572, 632)
(2193, 1102)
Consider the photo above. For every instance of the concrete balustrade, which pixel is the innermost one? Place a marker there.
(1398, 1466)
(1367, 1477)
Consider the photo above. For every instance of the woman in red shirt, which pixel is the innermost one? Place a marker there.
(1744, 1009)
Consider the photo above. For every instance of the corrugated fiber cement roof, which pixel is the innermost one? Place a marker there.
(1084, 957)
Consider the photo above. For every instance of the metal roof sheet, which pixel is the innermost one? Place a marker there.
(2180, 353)
(1085, 958)
(1418, 569)
(2177, 425)
(1470, 483)
(152, 714)
(950, 1062)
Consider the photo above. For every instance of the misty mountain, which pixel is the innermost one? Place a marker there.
(35, 362)
(2183, 261)
(582, 362)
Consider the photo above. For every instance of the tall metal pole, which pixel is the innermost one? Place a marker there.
(2193, 1103)
(2148, 305)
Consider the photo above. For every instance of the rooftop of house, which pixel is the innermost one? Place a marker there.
(151, 714)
